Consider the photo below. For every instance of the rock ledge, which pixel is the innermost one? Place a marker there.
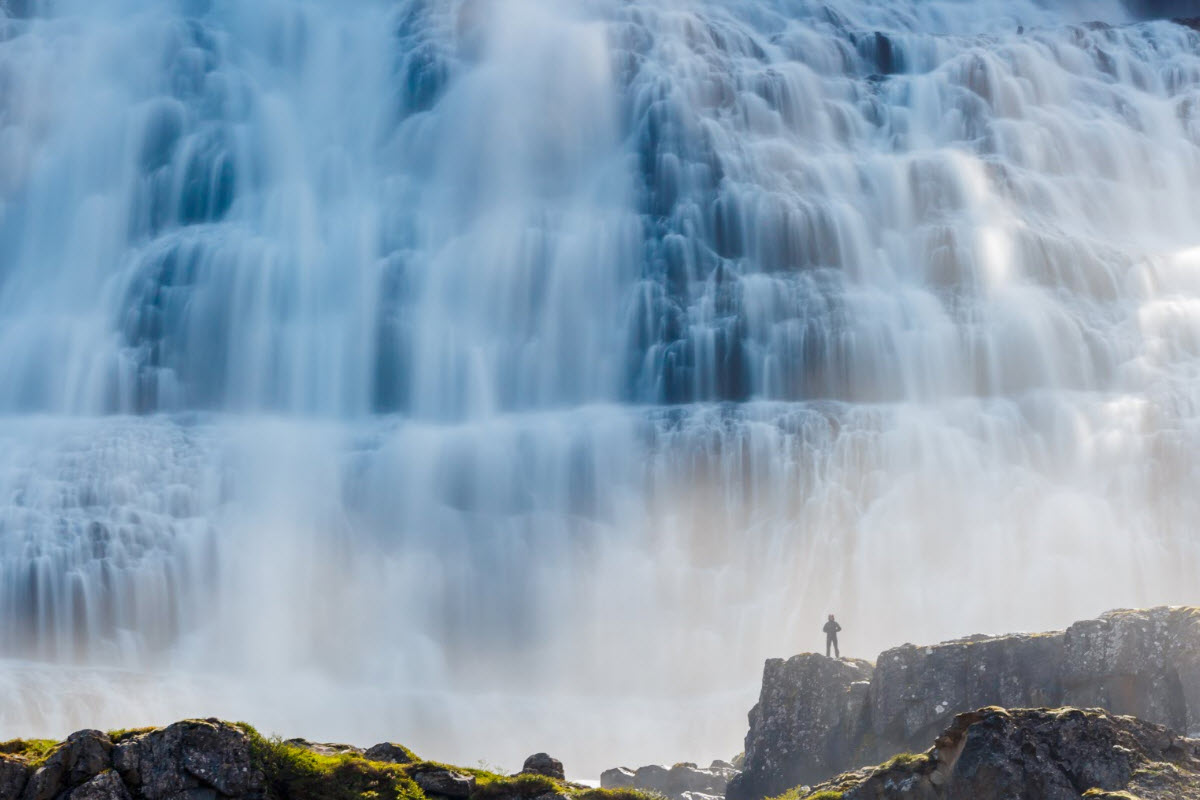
(817, 716)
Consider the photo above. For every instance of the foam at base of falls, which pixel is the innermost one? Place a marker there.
(56, 701)
(392, 566)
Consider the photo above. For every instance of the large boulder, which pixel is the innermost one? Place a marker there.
(172, 763)
(807, 724)
(391, 753)
(83, 756)
(1059, 754)
(544, 764)
(815, 718)
(615, 778)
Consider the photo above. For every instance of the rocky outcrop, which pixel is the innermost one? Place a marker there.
(808, 723)
(191, 760)
(543, 764)
(684, 781)
(391, 753)
(214, 760)
(444, 782)
(82, 756)
(1058, 754)
(815, 718)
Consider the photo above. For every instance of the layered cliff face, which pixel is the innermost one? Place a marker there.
(1059, 754)
(816, 717)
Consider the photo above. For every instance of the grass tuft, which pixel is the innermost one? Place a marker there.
(905, 760)
(518, 786)
(294, 773)
(121, 734)
(33, 751)
(616, 794)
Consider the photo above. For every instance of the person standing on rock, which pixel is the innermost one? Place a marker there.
(831, 631)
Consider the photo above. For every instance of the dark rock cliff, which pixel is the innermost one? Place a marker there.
(815, 718)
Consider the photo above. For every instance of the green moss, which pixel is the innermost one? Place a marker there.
(121, 734)
(524, 786)
(797, 794)
(294, 773)
(905, 760)
(1100, 794)
(489, 786)
(32, 751)
(614, 794)
(1159, 769)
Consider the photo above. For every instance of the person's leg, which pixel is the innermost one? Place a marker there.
(828, 644)
(836, 652)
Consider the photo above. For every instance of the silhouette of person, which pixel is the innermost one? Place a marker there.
(831, 631)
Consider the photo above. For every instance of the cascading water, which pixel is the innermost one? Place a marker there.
(504, 375)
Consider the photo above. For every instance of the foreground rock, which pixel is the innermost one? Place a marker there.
(684, 781)
(189, 759)
(816, 716)
(214, 760)
(1060, 754)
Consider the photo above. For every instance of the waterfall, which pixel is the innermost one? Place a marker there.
(498, 376)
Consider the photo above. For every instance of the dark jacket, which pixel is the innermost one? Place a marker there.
(831, 628)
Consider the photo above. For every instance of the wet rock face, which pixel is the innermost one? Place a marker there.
(815, 718)
(1060, 754)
